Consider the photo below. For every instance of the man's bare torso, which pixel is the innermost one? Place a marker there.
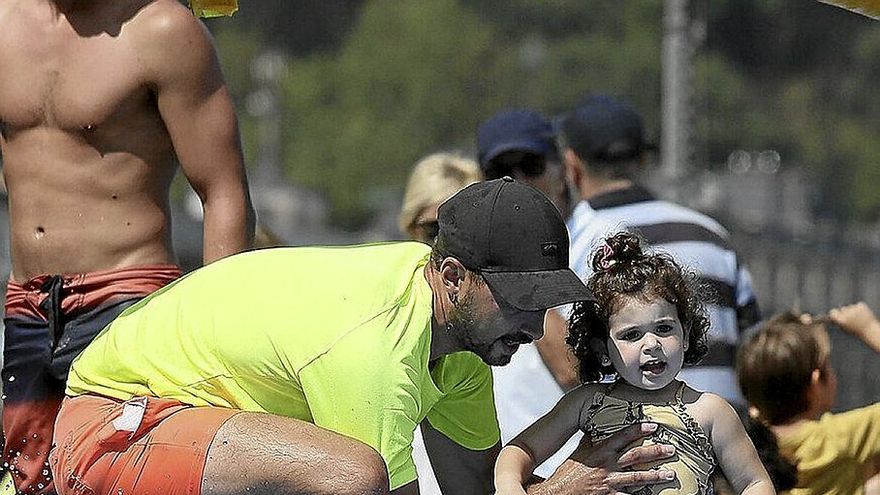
(86, 157)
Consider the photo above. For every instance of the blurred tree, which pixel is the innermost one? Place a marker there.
(409, 78)
(414, 77)
(796, 77)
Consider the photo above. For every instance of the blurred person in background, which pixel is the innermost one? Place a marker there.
(432, 181)
(99, 101)
(520, 143)
(604, 151)
(787, 377)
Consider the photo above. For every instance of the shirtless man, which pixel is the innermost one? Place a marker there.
(97, 99)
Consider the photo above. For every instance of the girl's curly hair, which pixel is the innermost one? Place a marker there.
(622, 269)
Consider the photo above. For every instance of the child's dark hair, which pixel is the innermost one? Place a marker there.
(622, 269)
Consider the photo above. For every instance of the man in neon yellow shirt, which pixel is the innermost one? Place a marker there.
(279, 371)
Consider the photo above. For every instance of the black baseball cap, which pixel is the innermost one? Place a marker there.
(604, 128)
(514, 236)
(514, 130)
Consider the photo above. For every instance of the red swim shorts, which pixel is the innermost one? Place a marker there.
(144, 446)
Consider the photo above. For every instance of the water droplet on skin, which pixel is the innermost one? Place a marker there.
(89, 127)
(39, 232)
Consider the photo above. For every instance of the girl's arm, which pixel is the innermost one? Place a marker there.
(538, 442)
(734, 450)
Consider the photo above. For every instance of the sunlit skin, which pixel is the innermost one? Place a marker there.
(646, 342)
(95, 113)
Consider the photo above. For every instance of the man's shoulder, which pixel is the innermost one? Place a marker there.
(165, 24)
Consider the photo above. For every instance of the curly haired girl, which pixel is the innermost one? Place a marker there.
(646, 321)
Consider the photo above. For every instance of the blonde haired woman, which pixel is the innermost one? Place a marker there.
(432, 180)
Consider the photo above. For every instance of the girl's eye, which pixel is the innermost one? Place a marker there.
(664, 328)
(630, 336)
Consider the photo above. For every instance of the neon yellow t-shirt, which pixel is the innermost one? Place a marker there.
(337, 336)
(831, 454)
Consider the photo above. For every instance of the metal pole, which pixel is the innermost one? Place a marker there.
(676, 90)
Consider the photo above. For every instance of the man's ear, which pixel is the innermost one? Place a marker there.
(452, 273)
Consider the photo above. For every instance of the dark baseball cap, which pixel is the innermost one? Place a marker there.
(514, 236)
(514, 130)
(604, 128)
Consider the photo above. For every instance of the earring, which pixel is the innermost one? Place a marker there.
(605, 361)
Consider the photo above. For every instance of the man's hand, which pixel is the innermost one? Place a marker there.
(601, 469)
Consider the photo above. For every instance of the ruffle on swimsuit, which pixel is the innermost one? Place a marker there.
(694, 460)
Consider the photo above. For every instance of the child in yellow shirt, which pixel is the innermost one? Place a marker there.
(786, 375)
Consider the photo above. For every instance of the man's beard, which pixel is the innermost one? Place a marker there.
(463, 327)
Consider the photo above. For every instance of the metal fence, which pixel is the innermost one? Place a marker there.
(801, 262)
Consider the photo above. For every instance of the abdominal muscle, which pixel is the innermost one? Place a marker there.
(75, 209)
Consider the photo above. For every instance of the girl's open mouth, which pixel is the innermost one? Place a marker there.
(655, 367)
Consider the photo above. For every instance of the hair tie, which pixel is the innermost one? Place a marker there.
(607, 253)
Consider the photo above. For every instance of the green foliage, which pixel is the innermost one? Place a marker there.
(410, 78)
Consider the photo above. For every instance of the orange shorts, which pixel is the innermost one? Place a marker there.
(138, 447)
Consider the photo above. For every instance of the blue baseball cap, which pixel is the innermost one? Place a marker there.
(514, 130)
(604, 128)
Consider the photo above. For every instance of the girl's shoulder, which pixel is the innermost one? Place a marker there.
(707, 407)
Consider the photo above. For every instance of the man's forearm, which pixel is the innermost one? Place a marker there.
(555, 352)
(229, 227)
